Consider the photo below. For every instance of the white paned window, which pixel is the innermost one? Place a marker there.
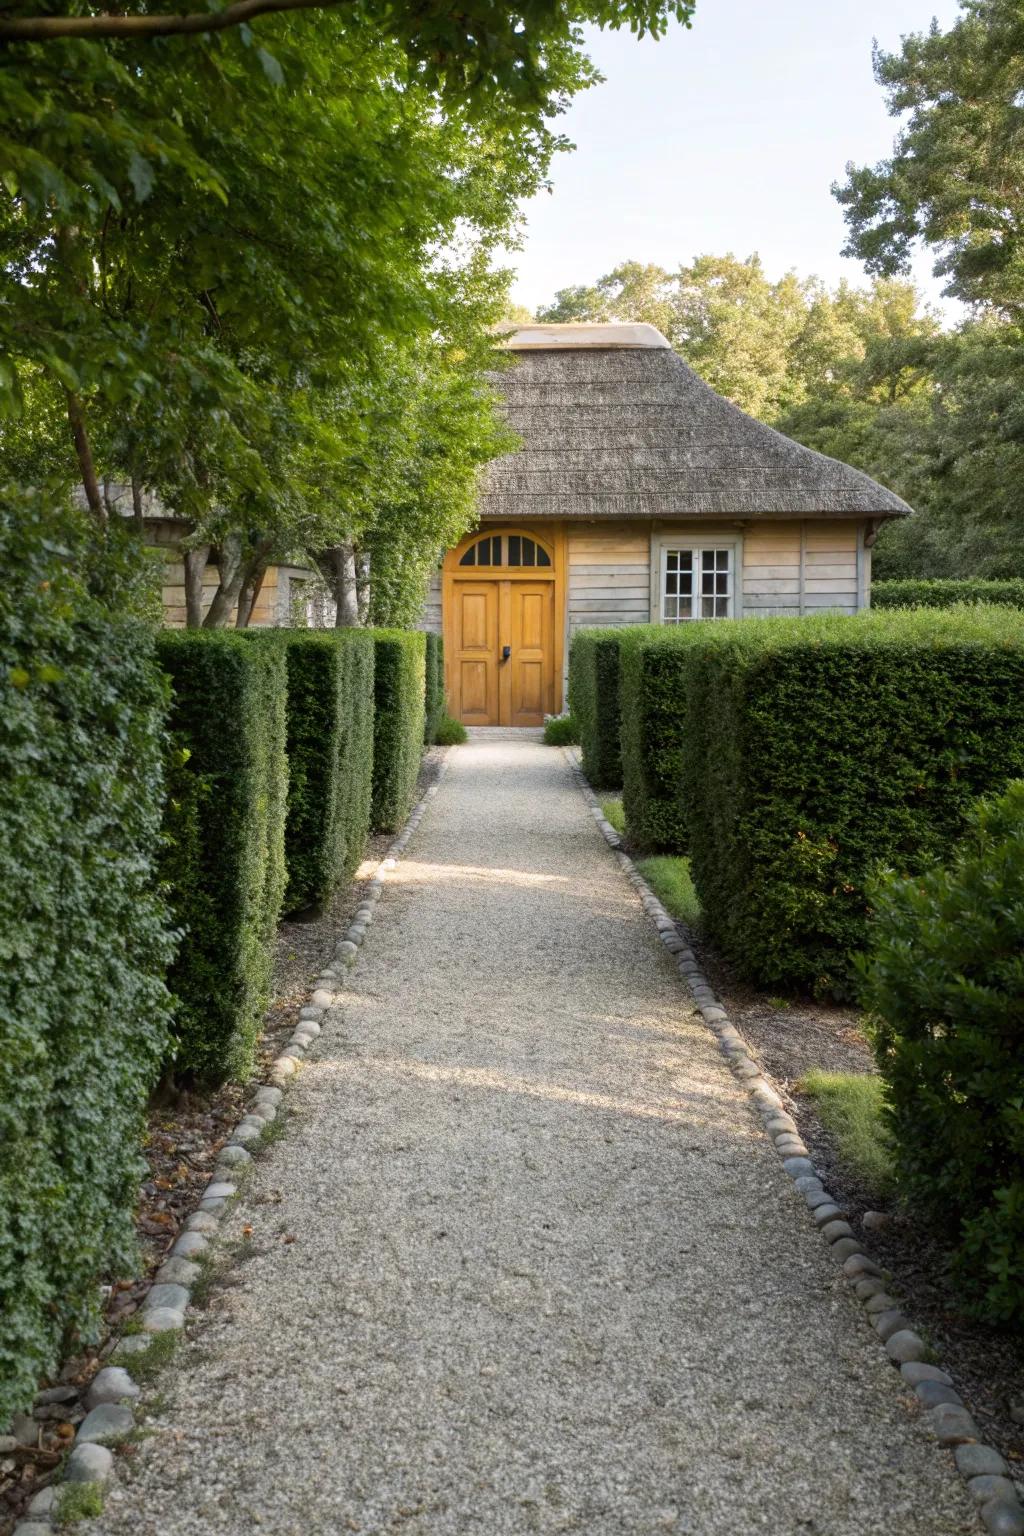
(696, 584)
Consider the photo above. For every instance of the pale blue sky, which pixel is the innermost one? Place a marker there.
(723, 138)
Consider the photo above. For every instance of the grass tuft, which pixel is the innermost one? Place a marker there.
(850, 1106)
(612, 811)
(146, 1364)
(78, 1501)
(668, 875)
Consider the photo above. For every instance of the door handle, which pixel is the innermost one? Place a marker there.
(506, 652)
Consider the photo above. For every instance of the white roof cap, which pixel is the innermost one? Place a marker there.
(567, 338)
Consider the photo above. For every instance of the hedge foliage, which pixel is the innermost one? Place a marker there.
(399, 712)
(652, 726)
(330, 759)
(945, 978)
(84, 940)
(813, 752)
(946, 594)
(594, 703)
(434, 687)
(224, 862)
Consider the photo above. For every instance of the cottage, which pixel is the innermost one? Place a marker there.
(638, 496)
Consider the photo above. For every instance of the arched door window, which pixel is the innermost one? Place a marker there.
(510, 550)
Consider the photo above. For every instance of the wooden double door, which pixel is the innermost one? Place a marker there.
(500, 649)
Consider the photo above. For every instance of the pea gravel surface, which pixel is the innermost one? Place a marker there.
(524, 1260)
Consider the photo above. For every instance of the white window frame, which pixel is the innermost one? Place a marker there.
(697, 547)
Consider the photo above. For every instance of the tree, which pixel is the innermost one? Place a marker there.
(224, 259)
(955, 179)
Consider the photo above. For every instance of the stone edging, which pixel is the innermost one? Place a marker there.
(112, 1393)
(982, 1467)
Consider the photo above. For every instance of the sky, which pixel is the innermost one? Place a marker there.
(726, 137)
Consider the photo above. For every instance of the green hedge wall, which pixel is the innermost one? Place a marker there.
(652, 728)
(945, 594)
(945, 980)
(434, 691)
(818, 750)
(399, 693)
(330, 759)
(594, 703)
(84, 941)
(224, 862)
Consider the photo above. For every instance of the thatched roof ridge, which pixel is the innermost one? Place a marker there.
(625, 429)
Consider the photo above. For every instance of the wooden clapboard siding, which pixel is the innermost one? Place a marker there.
(609, 574)
(264, 614)
(789, 568)
(431, 617)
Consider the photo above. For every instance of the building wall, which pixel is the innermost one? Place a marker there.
(273, 606)
(787, 567)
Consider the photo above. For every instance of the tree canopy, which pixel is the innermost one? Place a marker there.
(253, 272)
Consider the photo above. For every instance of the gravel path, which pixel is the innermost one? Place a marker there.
(524, 1261)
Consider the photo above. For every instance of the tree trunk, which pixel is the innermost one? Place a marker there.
(140, 521)
(337, 566)
(195, 565)
(231, 569)
(363, 585)
(251, 588)
(83, 448)
(347, 615)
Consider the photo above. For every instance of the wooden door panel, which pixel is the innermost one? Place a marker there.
(533, 657)
(475, 662)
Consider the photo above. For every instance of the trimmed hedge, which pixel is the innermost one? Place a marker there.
(945, 594)
(434, 689)
(84, 941)
(815, 751)
(224, 861)
(399, 711)
(652, 717)
(330, 759)
(594, 703)
(945, 979)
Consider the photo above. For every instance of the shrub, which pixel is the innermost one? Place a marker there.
(944, 976)
(817, 750)
(594, 703)
(224, 861)
(653, 711)
(945, 594)
(84, 938)
(399, 691)
(450, 733)
(560, 731)
(330, 759)
(434, 699)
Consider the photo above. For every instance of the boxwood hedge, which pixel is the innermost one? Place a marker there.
(652, 728)
(594, 703)
(945, 594)
(945, 980)
(434, 689)
(84, 941)
(330, 759)
(815, 751)
(399, 710)
(224, 858)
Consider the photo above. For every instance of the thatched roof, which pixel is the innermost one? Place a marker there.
(614, 424)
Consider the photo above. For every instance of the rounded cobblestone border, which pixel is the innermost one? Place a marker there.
(112, 1393)
(982, 1467)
